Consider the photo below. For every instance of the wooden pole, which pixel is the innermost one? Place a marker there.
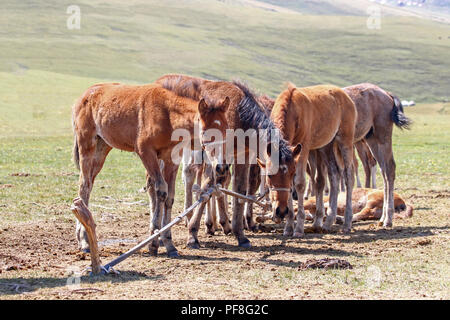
(83, 215)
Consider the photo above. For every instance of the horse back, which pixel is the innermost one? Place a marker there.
(325, 111)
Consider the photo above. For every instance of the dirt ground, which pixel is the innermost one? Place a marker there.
(411, 260)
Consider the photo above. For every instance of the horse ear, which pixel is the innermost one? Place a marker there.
(225, 104)
(202, 108)
(296, 151)
(260, 163)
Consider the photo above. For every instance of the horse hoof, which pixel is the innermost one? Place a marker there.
(227, 231)
(245, 244)
(298, 234)
(193, 245)
(153, 252)
(173, 254)
(387, 224)
(346, 230)
(210, 232)
(288, 233)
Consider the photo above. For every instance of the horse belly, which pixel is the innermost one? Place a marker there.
(118, 131)
(323, 137)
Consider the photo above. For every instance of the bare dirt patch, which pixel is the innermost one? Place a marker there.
(38, 258)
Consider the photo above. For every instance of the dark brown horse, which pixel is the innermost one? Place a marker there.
(138, 119)
(244, 112)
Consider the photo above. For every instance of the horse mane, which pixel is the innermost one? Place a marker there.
(280, 109)
(267, 102)
(253, 116)
(183, 86)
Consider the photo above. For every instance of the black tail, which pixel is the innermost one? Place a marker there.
(76, 154)
(398, 116)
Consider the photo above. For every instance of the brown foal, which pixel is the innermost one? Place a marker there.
(138, 119)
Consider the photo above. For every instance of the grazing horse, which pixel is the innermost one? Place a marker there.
(138, 119)
(244, 112)
(378, 110)
(313, 117)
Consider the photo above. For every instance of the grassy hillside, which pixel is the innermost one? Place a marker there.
(45, 67)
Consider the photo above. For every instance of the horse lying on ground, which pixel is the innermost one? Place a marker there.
(367, 204)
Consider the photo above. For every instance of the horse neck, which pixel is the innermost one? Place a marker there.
(283, 119)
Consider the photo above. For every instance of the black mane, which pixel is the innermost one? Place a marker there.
(253, 116)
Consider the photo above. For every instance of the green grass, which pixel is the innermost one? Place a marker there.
(143, 40)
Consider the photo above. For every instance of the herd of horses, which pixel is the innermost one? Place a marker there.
(320, 127)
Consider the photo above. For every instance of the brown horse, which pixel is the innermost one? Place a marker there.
(378, 110)
(138, 119)
(313, 117)
(244, 112)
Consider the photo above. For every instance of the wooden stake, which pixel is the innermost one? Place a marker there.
(83, 215)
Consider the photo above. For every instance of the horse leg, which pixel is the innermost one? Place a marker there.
(210, 217)
(373, 174)
(320, 185)
(311, 169)
(222, 206)
(362, 153)
(254, 182)
(355, 170)
(300, 184)
(194, 226)
(188, 176)
(160, 190)
(384, 155)
(240, 179)
(92, 155)
(346, 151)
(334, 180)
(170, 175)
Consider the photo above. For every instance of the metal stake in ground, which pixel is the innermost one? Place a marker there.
(87, 221)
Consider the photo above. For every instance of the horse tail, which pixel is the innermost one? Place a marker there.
(398, 116)
(76, 153)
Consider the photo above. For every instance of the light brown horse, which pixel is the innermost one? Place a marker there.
(244, 112)
(313, 117)
(367, 205)
(138, 119)
(378, 110)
